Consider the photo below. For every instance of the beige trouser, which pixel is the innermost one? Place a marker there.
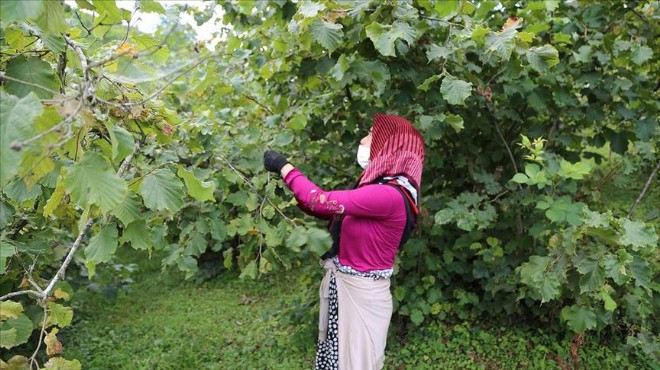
(365, 310)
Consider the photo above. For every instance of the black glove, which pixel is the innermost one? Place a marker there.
(274, 161)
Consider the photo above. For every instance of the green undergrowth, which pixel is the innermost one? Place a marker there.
(166, 322)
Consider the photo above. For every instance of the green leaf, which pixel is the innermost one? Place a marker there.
(162, 190)
(6, 214)
(51, 20)
(446, 8)
(297, 122)
(16, 124)
(642, 54)
(138, 234)
(128, 209)
(93, 181)
(18, 191)
(151, 6)
(329, 35)
(8, 338)
(542, 58)
(501, 43)
(638, 234)
(520, 178)
(615, 266)
(200, 190)
(122, 142)
(59, 315)
(609, 303)
(484, 7)
(578, 318)
(479, 34)
(108, 11)
(15, 331)
(533, 274)
(416, 317)
(318, 240)
(103, 245)
(249, 271)
(384, 36)
(19, 10)
(85, 4)
(296, 239)
(375, 72)
(218, 229)
(438, 52)
(310, 9)
(59, 363)
(6, 251)
(641, 272)
(455, 121)
(593, 275)
(455, 91)
(10, 310)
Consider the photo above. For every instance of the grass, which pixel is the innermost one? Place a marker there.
(228, 323)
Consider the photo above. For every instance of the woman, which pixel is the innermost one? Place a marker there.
(370, 223)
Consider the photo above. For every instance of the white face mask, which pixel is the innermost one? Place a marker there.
(363, 156)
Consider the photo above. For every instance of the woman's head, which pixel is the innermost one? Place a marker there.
(396, 148)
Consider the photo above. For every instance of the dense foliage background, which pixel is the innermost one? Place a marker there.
(540, 119)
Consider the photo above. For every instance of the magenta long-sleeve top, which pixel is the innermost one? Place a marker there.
(374, 219)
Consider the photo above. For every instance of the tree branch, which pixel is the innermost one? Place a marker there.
(81, 234)
(646, 187)
(21, 292)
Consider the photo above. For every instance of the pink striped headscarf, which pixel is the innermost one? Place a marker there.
(397, 148)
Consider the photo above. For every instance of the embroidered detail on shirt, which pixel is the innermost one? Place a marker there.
(373, 274)
(321, 199)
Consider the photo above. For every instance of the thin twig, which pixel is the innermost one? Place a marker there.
(249, 183)
(646, 187)
(137, 55)
(21, 292)
(33, 359)
(18, 145)
(258, 103)
(155, 93)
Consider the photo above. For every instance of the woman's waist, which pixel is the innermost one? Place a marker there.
(375, 274)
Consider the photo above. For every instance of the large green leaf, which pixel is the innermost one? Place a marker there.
(6, 213)
(162, 190)
(593, 275)
(578, 318)
(122, 142)
(455, 91)
(128, 209)
(138, 234)
(641, 272)
(92, 181)
(384, 36)
(310, 9)
(6, 251)
(327, 34)
(542, 58)
(37, 75)
(198, 189)
(103, 245)
(15, 331)
(16, 124)
(51, 20)
(501, 43)
(638, 234)
(59, 315)
(108, 11)
(19, 10)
